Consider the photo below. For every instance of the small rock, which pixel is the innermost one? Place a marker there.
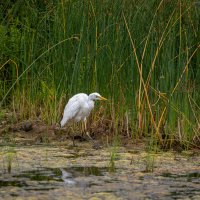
(27, 126)
(96, 146)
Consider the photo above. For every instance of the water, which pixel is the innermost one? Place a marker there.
(43, 173)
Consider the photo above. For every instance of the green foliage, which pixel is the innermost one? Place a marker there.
(58, 48)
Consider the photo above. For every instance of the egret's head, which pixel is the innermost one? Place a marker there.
(96, 96)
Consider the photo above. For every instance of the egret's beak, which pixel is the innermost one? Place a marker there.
(102, 98)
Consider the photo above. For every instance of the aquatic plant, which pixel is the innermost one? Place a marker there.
(111, 165)
(8, 155)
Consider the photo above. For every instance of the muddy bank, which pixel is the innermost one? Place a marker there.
(36, 132)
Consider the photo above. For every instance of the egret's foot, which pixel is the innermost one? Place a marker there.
(89, 136)
(73, 140)
(71, 146)
(95, 145)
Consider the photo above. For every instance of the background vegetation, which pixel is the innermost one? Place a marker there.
(142, 55)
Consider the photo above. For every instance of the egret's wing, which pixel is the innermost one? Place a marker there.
(71, 110)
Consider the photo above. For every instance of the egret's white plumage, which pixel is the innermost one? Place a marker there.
(79, 107)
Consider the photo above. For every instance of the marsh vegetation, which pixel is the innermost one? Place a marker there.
(143, 56)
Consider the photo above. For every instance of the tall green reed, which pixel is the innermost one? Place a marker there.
(142, 55)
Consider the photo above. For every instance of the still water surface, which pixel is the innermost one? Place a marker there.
(57, 172)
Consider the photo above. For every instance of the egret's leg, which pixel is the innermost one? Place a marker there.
(89, 137)
(95, 145)
(85, 130)
(72, 135)
(85, 124)
(73, 140)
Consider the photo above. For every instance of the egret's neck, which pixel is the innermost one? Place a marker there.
(90, 98)
(91, 102)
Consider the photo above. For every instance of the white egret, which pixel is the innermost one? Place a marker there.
(79, 107)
